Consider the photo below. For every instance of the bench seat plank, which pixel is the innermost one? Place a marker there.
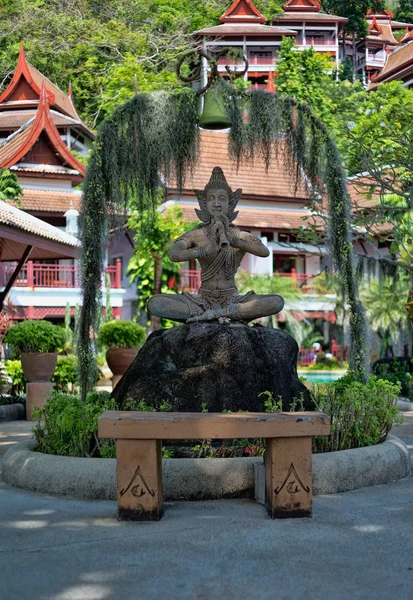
(167, 425)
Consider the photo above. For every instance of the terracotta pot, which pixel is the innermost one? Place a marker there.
(38, 366)
(119, 359)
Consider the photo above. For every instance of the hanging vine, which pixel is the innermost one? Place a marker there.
(155, 136)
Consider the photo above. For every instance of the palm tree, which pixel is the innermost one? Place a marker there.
(385, 305)
(9, 186)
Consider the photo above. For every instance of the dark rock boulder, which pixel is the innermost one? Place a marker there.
(224, 367)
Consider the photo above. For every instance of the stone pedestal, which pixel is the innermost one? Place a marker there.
(37, 394)
(213, 367)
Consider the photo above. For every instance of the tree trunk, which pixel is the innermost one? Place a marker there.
(157, 282)
(354, 57)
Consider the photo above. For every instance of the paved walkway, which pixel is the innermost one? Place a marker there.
(358, 545)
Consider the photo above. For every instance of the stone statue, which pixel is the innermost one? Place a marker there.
(219, 248)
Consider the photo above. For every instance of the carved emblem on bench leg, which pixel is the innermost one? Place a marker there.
(288, 477)
(139, 480)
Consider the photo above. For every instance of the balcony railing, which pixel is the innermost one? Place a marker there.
(191, 281)
(35, 275)
(305, 282)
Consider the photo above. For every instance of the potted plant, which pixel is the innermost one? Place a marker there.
(37, 342)
(122, 340)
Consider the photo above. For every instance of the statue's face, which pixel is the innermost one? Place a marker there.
(217, 202)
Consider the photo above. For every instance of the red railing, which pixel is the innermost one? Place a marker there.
(190, 280)
(304, 282)
(34, 275)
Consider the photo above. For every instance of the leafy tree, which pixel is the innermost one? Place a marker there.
(385, 303)
(305, 75)
(9, 186)
(355, 11)
(150, 266)
(404, 12)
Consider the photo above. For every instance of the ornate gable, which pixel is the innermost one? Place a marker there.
(302, 6)
(374, 28)
(39, 141)
(242, 11)
(22, 86)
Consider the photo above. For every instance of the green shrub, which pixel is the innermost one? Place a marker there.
(397, 370)
(69, 427)
(323, 363)
(14, 370)
(121, 334)
(361, 414)
(65, 374)
(35, 336)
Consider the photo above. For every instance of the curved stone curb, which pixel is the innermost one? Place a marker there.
(12, 412)
(202, 479)
(184, 478)
(404, 405)
(348, 470)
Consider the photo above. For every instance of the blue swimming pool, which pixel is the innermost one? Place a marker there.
(321, 376)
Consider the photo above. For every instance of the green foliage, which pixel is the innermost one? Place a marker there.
(67, 424)
(270, 404)
(399, 372)
(323, 363)
(65, 375)
(305, 75)
(9, 186)
(151, 251)
(404, 11)
(36, 336)
(68, 427)
(385, 302)
(14, 370)
(361, 414)
(354, 10)
(121, 334)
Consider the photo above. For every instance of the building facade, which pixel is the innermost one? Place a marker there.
(39, 130)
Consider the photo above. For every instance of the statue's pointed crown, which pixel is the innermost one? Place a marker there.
(217, 181)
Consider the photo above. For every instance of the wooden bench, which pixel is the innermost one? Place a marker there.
(139, 435)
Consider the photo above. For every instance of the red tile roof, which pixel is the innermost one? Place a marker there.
(308, 16)
(16, 146)
(14, 120)
(36, 80)
(257, 218)
(398, 60)
(49, 201)
(252, 177)
(231, 29)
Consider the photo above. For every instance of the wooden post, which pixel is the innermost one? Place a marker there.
(139, 480)
(30, 274)
(288, 477)
(118, 276)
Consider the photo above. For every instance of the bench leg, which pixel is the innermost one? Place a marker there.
(139, 480)
(288, 477)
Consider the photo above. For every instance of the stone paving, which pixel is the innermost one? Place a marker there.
(358, 545)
